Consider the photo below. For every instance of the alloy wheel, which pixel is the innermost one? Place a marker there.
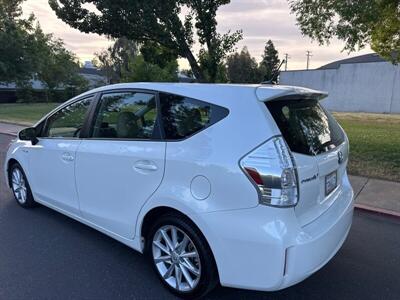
(176, 258)
(19, 186)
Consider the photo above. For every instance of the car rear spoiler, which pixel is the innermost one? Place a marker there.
(278, 92)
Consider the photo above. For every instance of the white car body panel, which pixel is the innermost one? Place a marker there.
(112, 183)
(313, 202)
(17, 151)
(255, 246)
(52, 172)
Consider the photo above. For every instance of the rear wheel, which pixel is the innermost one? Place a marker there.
(20, 186)
(181, 257)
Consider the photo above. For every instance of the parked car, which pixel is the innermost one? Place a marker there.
(243, 185)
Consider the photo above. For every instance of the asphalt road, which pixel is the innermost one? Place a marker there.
(45, 255)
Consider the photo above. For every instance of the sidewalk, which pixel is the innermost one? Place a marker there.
(371, 194)
(10, 128)
(378, 195)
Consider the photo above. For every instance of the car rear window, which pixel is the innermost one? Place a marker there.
(306, 126)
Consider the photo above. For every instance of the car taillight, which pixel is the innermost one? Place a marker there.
(271, 169)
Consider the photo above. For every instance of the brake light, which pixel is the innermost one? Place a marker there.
(271, 169)
(254, 175)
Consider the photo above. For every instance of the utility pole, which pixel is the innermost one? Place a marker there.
(286, 60)
(308, 58)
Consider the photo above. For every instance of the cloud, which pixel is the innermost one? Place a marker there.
(260, 21)
(84, 45)
(253, 5)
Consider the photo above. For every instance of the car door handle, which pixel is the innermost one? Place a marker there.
(145, 165)
(67, 157)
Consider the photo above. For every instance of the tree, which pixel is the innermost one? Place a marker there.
(243, 68)
(58, 66)
(141, 70)
(18, 43)
(127, 60)
(27, 53)
(358, 23)
(270, 63)
(218, 69)
(103, 61)
(114, 61)
(157, 54)
(169, 23)
(187, 72)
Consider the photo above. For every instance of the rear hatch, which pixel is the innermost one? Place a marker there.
(319, 148)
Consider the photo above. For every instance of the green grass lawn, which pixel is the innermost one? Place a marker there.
(374, 144)
(24, 113)
(374, 138)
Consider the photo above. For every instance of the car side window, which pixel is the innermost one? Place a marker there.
(126, 115)
(68, 121)
(183, 117)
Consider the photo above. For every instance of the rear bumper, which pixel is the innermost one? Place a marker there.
(317, 248)
(266, 249)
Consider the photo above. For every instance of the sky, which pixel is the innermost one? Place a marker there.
(260, 20)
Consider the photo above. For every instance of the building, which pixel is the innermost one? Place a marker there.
(365, 83)
(8, 91)
(95, 78)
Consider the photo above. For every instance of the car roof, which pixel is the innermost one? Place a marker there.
(204, 91)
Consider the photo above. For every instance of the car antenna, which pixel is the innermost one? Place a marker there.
(271, 81)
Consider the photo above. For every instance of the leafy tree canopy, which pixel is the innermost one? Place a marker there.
(172, 24)
(243, 68)
(114, 61)
(270, 62)
(207, 63)
(58, 67)
(27, 53)
(356, 22)
(127, 60)
(18, 43)
(141, 70)
(157, 54)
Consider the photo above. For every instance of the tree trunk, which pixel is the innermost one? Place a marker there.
(197, 71)
(184, 49)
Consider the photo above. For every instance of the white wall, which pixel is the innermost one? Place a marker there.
(363, 87)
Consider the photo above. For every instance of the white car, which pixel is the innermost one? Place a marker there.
(245, 185)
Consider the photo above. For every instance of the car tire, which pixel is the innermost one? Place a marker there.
(202, 264)
(20, 186)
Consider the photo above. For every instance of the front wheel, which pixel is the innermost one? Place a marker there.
(20, 186)
(181, 257)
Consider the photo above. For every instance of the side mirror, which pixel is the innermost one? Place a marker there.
(28, 134)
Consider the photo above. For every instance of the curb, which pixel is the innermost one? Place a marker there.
(16, 123)
(12, 123)
(377, 210)
(9, 133)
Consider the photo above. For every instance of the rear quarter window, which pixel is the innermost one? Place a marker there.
(306, 126)
(183, 117)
